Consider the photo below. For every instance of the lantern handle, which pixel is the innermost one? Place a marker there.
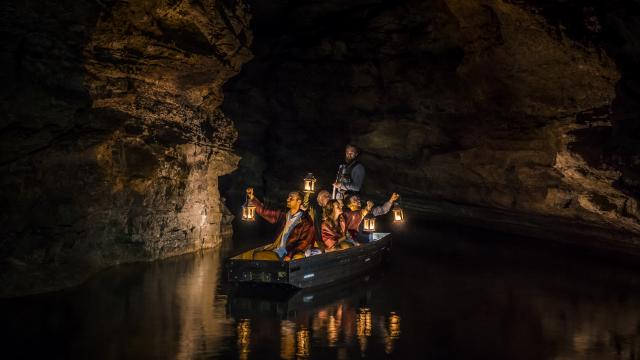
(305, 202)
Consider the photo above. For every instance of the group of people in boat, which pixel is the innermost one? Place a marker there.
(307, 229)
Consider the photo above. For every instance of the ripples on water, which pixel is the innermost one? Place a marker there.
(449, 293)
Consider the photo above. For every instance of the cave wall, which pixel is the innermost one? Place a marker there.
(112, 137)
(509, 114)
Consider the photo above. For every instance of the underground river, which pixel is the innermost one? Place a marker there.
(449, 292)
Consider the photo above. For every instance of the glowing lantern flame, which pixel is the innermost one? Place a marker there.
(248, 212)
(398, 215)
(309, 183)
(370, 224)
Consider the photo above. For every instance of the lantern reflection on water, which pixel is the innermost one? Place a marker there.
(333, 330)
(394, 325)
(393, 332)
(363, 322)
(244, 336)
(363, 327)
(287, 339)
(302, 342)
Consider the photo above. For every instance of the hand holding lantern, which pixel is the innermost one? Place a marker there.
(398, 214)
(248, 209)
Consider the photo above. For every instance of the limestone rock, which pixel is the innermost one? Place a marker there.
(113, 141)
(499, 111)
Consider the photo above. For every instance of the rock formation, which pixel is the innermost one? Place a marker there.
(112, 139)
(509, 114)
(516, 114)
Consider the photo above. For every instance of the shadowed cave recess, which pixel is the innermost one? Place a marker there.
(124, 121)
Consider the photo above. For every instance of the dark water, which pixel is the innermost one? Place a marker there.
(449, 293)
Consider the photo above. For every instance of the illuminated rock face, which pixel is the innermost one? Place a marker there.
(511, 114)
(113, 141)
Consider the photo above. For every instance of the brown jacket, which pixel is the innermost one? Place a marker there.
(352, 220)
(302, 236)
(330, 234)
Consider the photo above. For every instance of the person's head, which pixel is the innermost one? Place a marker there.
(323, 197)
(354, 203)
(294, 200)
(350, 153)
(332, 210)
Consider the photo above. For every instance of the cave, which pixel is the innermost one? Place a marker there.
(131, 130)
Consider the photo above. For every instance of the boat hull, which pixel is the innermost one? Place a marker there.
(314, 270)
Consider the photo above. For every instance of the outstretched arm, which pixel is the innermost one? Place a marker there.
(384, 208)
(367, 209)
(270, 215)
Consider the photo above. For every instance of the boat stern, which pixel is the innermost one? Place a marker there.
(243, 270)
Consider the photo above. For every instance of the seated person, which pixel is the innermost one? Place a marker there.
(295, 232)
(323, 198)
(333, 227)
(354, 216)
(315, 212)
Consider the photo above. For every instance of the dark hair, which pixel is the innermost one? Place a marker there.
(298, 194)
(327, 214)
(357, 149)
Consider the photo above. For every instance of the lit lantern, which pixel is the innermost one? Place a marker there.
(249, 212)
(370, 224)
(398, 215)
(309, 183)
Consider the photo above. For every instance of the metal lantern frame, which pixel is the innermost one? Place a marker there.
(309, 183)
(398, 214)
(248, 211)
(369, 224)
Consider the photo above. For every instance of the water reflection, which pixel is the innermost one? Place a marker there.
(329, 331)
(473, 298)
(287, 339)
(363, 328)
(244, 338)
(333, 328)
(302, 342)
(392, 332)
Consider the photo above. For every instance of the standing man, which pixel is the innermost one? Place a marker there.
(350, 175)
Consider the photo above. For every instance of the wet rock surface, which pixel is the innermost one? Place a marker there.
(519, 115)
(112, 138)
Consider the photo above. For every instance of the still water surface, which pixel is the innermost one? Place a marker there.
(449, 293)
